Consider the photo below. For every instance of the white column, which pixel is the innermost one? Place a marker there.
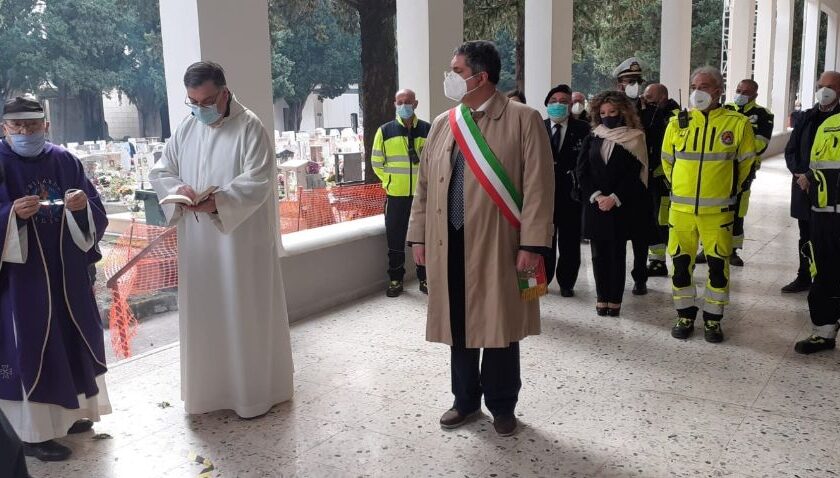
(428, 31)
(675, 38)
(831, 41)
(741, 34)
(233, 34)
(765, 39)
(548, 48)
(782, 52)
(810, 43)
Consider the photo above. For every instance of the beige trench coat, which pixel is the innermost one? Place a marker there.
(495, 314)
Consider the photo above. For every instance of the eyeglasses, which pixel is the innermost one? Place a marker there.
(204, 104)
(24, 126)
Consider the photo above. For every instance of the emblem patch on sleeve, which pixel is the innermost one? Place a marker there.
(727, 138)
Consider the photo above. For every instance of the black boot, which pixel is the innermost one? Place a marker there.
(49, 450)
(800, 284)
(814, 344)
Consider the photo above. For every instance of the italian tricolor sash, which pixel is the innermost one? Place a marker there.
(484, 165)
(496, 183)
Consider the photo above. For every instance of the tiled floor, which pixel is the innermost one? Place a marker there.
(602, 397)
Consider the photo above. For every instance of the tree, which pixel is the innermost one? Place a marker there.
(312, 54)
(82, 50)
(142, 77)
(18, 65)
(504, 21)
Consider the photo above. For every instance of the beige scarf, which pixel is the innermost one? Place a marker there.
(631, 139)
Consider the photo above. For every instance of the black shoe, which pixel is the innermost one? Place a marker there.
(505, 425)
(566, 292)
(47, 451)
(701, 258)
(798, 285)
(736, 260)
(814, 344)
(452, 418)
(81, 426)
(424, 287)
(639, 288)
(712, 331)
(657, 268)
(683, 328)
(614, 311)
(395, 288)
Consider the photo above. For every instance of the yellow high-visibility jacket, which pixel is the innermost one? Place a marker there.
(391, 159)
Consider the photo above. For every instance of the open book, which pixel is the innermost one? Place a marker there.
(184, 200)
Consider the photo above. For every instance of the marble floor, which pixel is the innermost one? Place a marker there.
(601, 397)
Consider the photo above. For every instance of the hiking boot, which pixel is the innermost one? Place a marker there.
(395, 288)
(712, 331)
(452, 418)
(736, 260)
(701, 257)
(424, 287)
(657, 268)
(798, 285)
(814, 344)
(683, 328)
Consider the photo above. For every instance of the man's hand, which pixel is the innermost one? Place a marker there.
(802, 181)
(605, 203)
(419, 251)
(527, 261)
(208, 205)
(187, 191)
(26, 206)
(75, 200)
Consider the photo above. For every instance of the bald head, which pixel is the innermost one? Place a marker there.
(405, 96)
(830, 79)
(577, 97)
(656, 93)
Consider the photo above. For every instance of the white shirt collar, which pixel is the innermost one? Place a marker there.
(484, 105)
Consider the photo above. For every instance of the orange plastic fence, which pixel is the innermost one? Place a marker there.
(144, 259)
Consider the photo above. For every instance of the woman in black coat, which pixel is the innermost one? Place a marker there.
(612, 177)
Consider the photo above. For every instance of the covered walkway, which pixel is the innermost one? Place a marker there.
(601, 396)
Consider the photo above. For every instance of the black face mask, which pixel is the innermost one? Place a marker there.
(612, 121)
(652, 106)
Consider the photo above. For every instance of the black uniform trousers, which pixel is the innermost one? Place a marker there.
(566, 243)
(824, 296)
(609, 266)
(498, 377)
(803, 273)
(640, 238)
(397, 213)
(12, 462)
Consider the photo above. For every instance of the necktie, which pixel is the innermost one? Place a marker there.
(557, 139)
(456, 186)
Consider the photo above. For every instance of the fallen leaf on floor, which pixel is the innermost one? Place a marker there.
(208, 465)
(164, 405)
(101, 436)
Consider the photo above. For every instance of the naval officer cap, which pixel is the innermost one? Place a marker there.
(628, 67)
(23, 108)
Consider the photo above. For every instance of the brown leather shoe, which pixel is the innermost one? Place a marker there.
(505, 425)
(453, 418)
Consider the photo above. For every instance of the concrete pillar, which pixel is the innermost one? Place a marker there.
(675, 59)
(765, 39)
(831, 42)
(810, 42)
(195, 30)
(782, 52)
(548, 48)
(428, 31)
(741, 34)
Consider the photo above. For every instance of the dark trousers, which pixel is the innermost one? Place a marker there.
(397, 212)
(804, 236)
(12, 462)
(566, 244)
(609, 267)
(640, 230)
(496, 374)
(824, 296)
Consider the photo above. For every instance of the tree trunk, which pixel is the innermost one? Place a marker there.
(520, 46)
(165, 127)
(294, 117)
(149, 116)
(379, 70)
(93, 115)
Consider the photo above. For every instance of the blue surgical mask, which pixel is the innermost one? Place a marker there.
(558, 111)
(405, 111)
(27, 145)
(612, 121)
(206, 114)
(740, 99)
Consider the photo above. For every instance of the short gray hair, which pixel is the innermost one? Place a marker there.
(711, 71)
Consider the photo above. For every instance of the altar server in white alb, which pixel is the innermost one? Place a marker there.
(235, 350)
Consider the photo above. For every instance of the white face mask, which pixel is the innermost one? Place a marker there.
(577, 108)
(740, 99)
(825, 96)
(455, 87)
(632, 90)
(700, 100)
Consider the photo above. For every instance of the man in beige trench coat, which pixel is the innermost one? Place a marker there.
(471, 252)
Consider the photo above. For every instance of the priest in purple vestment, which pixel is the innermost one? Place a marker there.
(52, 352)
